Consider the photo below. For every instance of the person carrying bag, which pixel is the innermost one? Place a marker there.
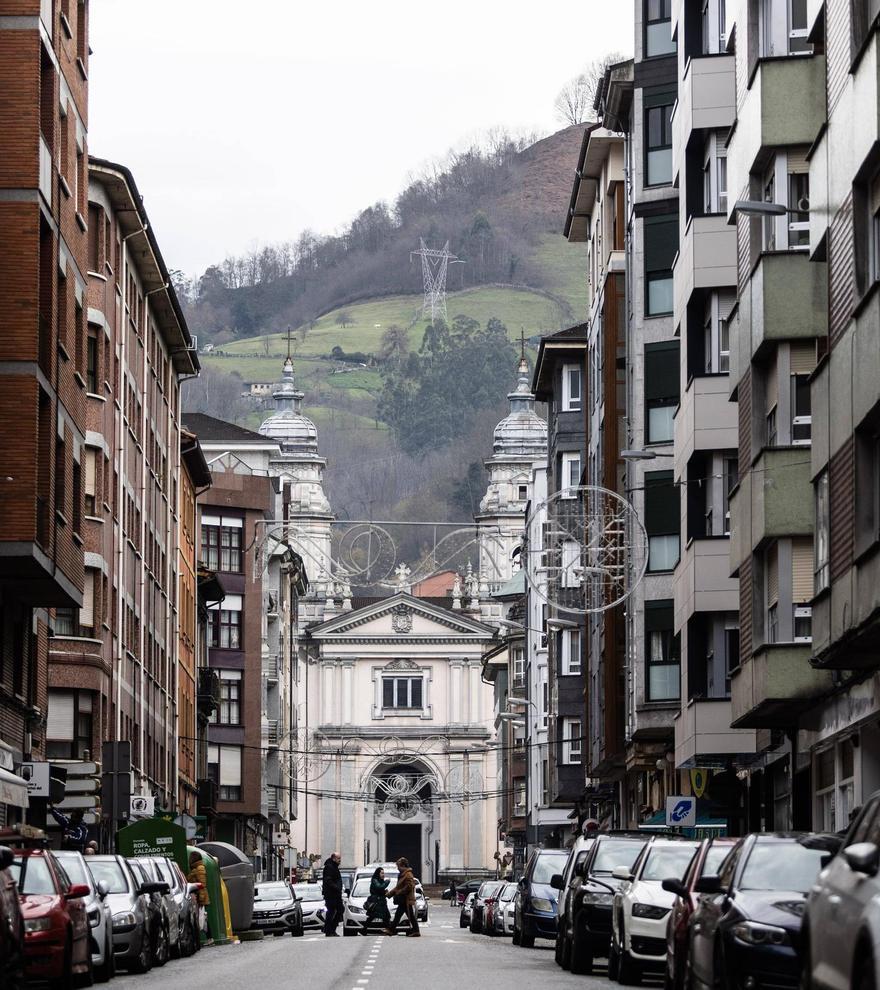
(376, 904)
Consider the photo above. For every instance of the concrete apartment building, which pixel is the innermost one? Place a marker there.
(706, 424)
(559, 380)
(43, 246)
(113, 662)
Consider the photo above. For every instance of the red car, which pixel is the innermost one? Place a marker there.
(56, 926)
(705, 863)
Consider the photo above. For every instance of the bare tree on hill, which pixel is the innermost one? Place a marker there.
(574, 102)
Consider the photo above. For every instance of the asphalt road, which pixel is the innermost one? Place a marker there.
(445, 957)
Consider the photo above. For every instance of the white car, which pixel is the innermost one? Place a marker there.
(464, 919)
(840, 935)
(641, 907)
(355, 914)
(504, 912)
(312, 903)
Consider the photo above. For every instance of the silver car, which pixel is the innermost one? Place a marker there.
(180, 906)
(464, 919)
(128, 903)
(99, 914)
(312, 903)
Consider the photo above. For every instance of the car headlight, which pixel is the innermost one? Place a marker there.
(596, 897)
(541, 904)
(754, 934)
(354, 909)
(125, 920)
(37, 924)
(652, 911)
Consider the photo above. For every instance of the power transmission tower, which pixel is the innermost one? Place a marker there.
(434, 267)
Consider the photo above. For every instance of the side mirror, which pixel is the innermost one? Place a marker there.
(674, 886)
(709, 885)
(863, 857)
(78, 890)
(102, 888)
(346, 890)
(556, 882)
(154, 887)
(192, 888)
(522, 881)
(580, 869)
(621, 873)
(6, 857)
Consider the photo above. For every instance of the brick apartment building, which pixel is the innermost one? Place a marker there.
(43, 282)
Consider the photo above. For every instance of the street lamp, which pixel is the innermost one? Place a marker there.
(758, 208)
(642, 455)
(521, 701)
(565, 623)
(510, 624)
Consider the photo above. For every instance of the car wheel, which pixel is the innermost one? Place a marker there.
(348, 931)
(613, 960)
(581, 954)
(557, 950)
(517, 935)
(104, 973)
(86, 979)
(462, 923)
(299, 931)
(629, 973)
(143, 961)
(161, 948)
(527, 939)
(566, 953)
(864, 975)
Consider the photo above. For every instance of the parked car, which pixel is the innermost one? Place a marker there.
(534, 913)
(56, 927)
(170, 906)
(11, 926)
(461, 892)
(464, 919)
(158, 924)
(566, 883)
(277, 909)
(182, 907)
(132, 948)
(488, 888)
(707, 861)
(491, 906)
(840, 937)
(421, 903)
(503, 911)
(747, 926)
(587, 925)
(98, 911)
(641, 906)
(311, 902)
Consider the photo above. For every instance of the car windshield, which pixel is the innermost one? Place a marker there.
(714, 858)
(272, 892)
(361, 887)
(617, 852)
(668, 861)
(165, 873)
(781, 866)
(74, 867)
(110, 873)
(508, 891)
(308, 892)
(489, 889)
(32, 874)
(547, 865)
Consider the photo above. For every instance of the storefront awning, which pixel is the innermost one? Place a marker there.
(13, 789)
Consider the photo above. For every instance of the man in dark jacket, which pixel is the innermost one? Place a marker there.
(331, 888)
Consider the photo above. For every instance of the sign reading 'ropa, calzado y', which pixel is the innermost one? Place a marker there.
(154, 837)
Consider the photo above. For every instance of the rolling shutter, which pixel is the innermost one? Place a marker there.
(87, 612)
(662, 503)
(230, 766)
(797, 162)
(802, 357)
(59, 718)
(89, 482)
(801, 570)
(772, 575)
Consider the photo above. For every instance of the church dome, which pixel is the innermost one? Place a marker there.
(522, 431)
(287, 425)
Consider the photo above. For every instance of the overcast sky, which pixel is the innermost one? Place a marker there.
(247, 122)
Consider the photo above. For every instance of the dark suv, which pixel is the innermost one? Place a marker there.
(534, 907)
(585, 927)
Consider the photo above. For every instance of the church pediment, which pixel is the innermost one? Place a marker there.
(402, 616)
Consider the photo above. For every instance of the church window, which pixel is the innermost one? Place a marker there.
(402, 692)
(523, 493)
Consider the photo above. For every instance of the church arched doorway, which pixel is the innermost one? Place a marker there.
(404, 801)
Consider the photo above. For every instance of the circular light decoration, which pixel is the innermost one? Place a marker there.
(585, 550)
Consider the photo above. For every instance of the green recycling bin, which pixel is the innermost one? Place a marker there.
(238, 875)
(216, 917)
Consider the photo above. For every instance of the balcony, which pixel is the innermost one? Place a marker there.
(704, 736)
(706, 260)
(706, 100)
(208, 693)
(774, 687)
(774, 500)
(45, 178)
(786, 299)
(273, 732)
(784, 107)
(702, 580)
(706, 420)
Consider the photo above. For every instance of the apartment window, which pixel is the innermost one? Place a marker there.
(783, 28)
(658, 137)
(731, 480)
(658, 28)
(661, 247)
(570, 644)
(713, 35)
(570, 565)
(572, 743)
(545, 698)
(519, 666)
(834, 772)
(68, 724)
(221, 543)
(787, 183)
(522, 493)
(90, 492)
(769, 196)
(771, 590)
(545, 781)
(731, 653)
(224, 768)
(224, 624)
(661, 390)
(92, 361)
(229, 712)
(662, 519)
(402, 692)
(821, 575)
(799, 220)
(519, 796)
(802, 581)
(570, 473)
(721, 179)
(661, 652)
(572, 382)
(864, 17)
(76, 486)
(797, 27)
(96, 230)
(801, 418)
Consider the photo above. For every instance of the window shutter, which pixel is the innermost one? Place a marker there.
(210, 520)
(801, 570)
(89, 482)
(772, 386)
(230, 766)
(231, 603)
(659, 615)
(797, 162)
(87, 612)
(662, 503)
(802, 357)
(232, 522)
(661, 370)
(661, 242)
(59, 718)
(772, 575)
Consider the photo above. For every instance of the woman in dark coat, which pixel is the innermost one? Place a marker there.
(377, 903)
